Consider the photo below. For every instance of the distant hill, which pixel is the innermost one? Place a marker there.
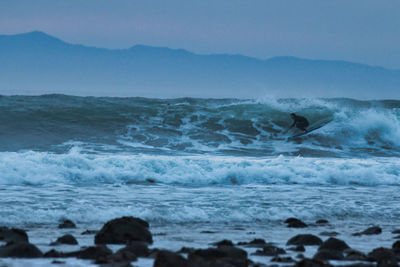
(36, 63)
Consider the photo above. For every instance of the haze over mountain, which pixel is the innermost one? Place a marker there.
(37, 63)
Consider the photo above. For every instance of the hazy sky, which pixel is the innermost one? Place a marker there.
(366, 31)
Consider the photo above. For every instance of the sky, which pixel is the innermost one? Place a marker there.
(364, 31)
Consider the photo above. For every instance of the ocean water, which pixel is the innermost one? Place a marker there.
(198, 170)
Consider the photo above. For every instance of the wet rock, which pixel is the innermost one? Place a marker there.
(295, 223)
(383, 256)
(58, 262)
(396, 246)
(89, 232)
(311, 263)
(325, 254)
(123, 256)
(322, 222)
(270, 250)
(13, 235)
(299, 248)
(123, 230)
(329, 233)
(334, 244)
(65, 224)
(140, 249)
(224, 242)
(20, 250)
(94, 253)
(396, 231)
(282, 259)
(354, 255)
(397, 237)
(169, 259)
(65, 239)
(221, 256)
(53, 254)
(305, 240)
(375, 230)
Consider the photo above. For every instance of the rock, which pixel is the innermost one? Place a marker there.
(186, 250)
(53, 254)
(89, 232)
(396, 246)
(123, 230)
(299, 248)
(270, 250)
(221, 256)
(66, 239)
(354, 255)
(282, 259)
(396, 231)
(383, 256)
(99, 252)
(311, 263)
(20, 250)
(322, 222)
(295, 223)
(329, 233)
(397, 237)
(375, 230)
(13, 235)
(169, 259)
(305, 240)
(325, 254)
(140, 249)
(123, 256)
(334, 244)
(224, 242)
(65, 223)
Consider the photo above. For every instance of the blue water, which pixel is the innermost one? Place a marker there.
(192, 165)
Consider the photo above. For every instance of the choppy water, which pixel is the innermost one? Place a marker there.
(197, 163)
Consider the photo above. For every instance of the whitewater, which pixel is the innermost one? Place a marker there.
(193, 166)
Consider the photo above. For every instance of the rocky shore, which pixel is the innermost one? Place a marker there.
(135, 239)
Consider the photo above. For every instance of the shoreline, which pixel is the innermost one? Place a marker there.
(255, 251)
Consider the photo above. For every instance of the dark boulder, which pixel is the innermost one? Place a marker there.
(334, 244)
(221, 256)
(354, 255)
(295, 223)
(124, 230)
(375, 230)
(140, 249)
(53, 254)
(396, 246)
(257, 242)
(20, 250)
(383, 256)
(325, 254)
(270, 250)
(282, 259)
(123, 256)
(224, 242)
(66, 239)
(396, 231)
(66, 224)
(13, 235)
(169, 259)
(97, 253)
(311, 263)
(305, 240)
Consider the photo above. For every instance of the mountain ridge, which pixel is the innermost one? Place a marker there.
(152, 71)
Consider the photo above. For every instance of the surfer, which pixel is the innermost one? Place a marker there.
(300, 122)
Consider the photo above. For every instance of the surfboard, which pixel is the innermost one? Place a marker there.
(313, 127)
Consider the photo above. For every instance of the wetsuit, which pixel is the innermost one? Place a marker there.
(300, 122)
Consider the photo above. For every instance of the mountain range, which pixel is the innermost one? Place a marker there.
(37, 63)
